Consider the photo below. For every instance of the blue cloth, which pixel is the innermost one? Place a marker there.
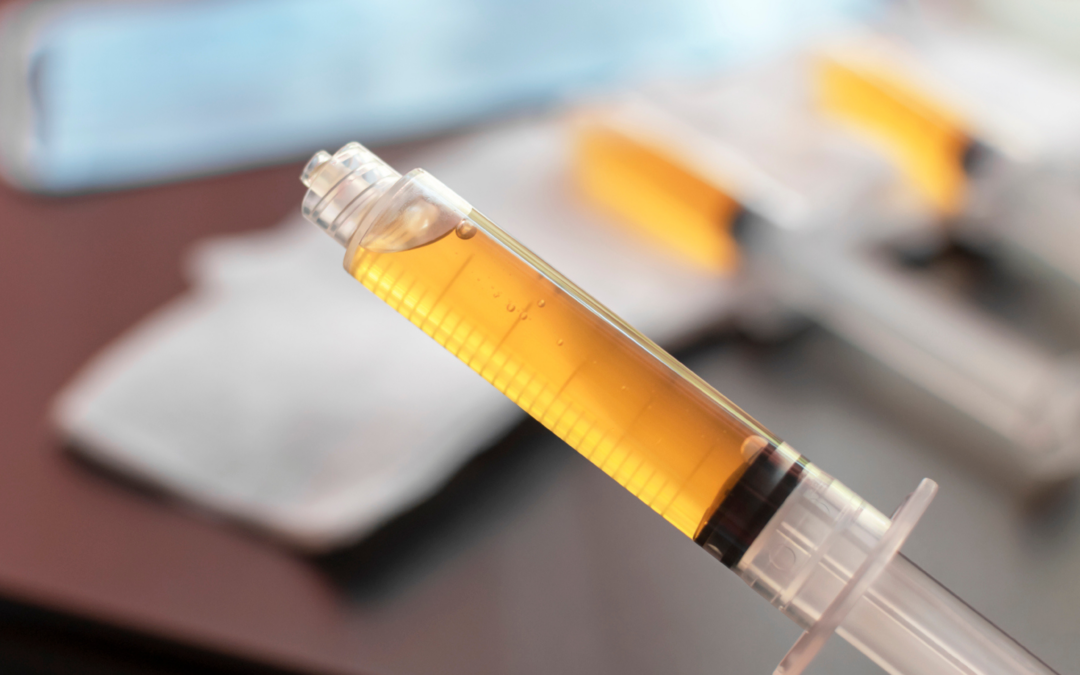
(141, 92)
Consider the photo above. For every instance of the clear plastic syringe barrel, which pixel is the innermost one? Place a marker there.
(792, 532)
(605, 389)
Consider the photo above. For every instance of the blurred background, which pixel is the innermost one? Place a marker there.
(857, 219)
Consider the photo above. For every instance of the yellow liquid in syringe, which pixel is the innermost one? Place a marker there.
(611, 394)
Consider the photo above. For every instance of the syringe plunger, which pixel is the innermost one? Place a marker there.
(829, 561)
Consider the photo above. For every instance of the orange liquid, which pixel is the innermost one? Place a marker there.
(659, 196)
(609, 392)
(924, 138)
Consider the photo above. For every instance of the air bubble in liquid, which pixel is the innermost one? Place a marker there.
(465, 230)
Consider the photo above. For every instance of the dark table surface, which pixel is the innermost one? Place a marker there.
(74, 273)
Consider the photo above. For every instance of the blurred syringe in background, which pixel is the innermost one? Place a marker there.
(984, 130)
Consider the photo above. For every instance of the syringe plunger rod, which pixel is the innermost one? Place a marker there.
(824, 540)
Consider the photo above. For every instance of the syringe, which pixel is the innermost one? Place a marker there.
(983, 129)
(817, 551)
